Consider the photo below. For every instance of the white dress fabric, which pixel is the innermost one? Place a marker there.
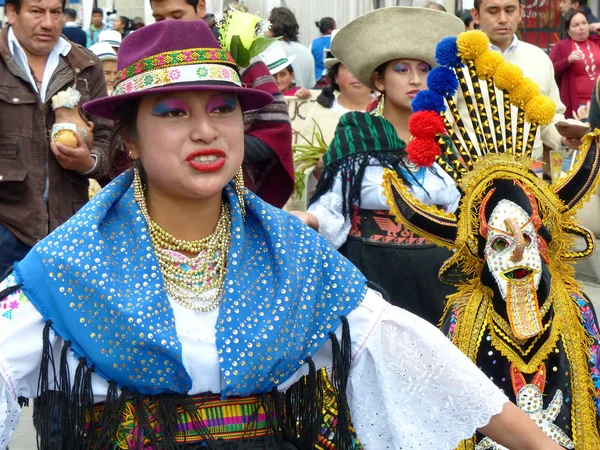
(334, 226)
(409, 386)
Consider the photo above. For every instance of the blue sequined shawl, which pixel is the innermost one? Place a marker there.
(97, 279)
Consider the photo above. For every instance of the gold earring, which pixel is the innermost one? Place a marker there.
(380, 105)
(238, 182)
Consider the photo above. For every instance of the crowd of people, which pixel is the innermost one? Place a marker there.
(422, 297)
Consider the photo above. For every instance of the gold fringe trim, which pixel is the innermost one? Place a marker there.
(433, 213)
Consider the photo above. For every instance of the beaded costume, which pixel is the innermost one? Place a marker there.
(518, 313)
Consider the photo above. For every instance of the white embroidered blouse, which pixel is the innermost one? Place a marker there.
(409, 386)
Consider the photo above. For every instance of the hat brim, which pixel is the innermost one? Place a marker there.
(290, 60)
(386, 34)
(250, 99)
(330, 62)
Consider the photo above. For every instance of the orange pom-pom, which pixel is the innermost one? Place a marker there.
(524, 92)
(487, 63)
(471, 44)
(508, 76)
(426, 124)
(423, 151)
(540, 110)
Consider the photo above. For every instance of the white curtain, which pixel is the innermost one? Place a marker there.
(86, 13)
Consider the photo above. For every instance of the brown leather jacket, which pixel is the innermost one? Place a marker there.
(25, 156)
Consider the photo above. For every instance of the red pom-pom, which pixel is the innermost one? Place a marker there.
(423, 151)
(426, 124)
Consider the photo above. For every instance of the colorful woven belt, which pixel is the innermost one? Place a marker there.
(380, 227)
(229, 420)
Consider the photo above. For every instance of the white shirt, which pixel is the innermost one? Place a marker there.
(62, 47)
(409, 387)
(334, 226)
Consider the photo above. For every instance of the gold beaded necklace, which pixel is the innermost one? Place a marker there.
(190, 281)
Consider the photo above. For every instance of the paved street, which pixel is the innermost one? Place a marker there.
(587, 271)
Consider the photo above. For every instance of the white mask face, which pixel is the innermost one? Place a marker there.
(512, 254)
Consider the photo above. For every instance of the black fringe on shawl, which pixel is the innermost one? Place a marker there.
(62, 410)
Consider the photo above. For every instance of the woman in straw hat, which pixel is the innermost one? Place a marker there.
(178, 310)
(392, 52)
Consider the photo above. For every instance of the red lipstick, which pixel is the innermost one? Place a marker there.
(207, 159)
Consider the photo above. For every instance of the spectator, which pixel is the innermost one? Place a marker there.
(569, 5)
(93, 32)
(467, 18)
(178, 9)
(138, 23)
(499, 20)
(108, 58)
(71, 30)
(113, 37)
(575, 62)
(321, 44)
(280, 67)
(268, 164)
(122, 25)
(42, 184)
(285, 26)
(435, 5)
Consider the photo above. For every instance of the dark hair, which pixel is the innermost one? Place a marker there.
(477, 4)
(17, 4)
(124, 124)
(327, 95)
(70, 13)
(192, 3)
(325, 25)
(97, 11)
(284, 24)
(435, 5)
(465, 16)
(569, 17)
(380, 70)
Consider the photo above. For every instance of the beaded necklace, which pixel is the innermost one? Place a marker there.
(590, 67)
(194, 282)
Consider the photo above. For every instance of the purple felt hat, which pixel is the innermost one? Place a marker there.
(174, 56)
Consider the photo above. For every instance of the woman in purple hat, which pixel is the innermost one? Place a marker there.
(177, 309)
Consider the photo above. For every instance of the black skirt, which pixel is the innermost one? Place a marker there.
(402, 263)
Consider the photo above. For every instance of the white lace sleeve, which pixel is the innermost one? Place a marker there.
(410, 387)
(20, 354)
(328, 209)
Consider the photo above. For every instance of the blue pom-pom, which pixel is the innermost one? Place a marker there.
(443, 81)
(428, 101)
(446, 53)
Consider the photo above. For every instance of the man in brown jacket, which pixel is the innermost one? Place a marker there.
(42, 184)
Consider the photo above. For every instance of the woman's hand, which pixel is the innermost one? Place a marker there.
(303, 93)
(576, 55)
(318, 168)
(573, 143)
(308, 218)
(583, 112)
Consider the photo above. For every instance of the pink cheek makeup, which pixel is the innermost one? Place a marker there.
(164, 107)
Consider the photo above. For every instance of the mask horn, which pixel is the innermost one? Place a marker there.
(583, 179)
(427, 221)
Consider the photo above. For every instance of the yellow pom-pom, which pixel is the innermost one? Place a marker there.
(487, 63)
(540, 110)
(471, 44)
(524, 92)
(508, 76)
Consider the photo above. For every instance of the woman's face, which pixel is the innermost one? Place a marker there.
(118, 25)
(284, 79)
(348, 84)
(402, 80)
(579, 28)
(190, 144)
(110, 71)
